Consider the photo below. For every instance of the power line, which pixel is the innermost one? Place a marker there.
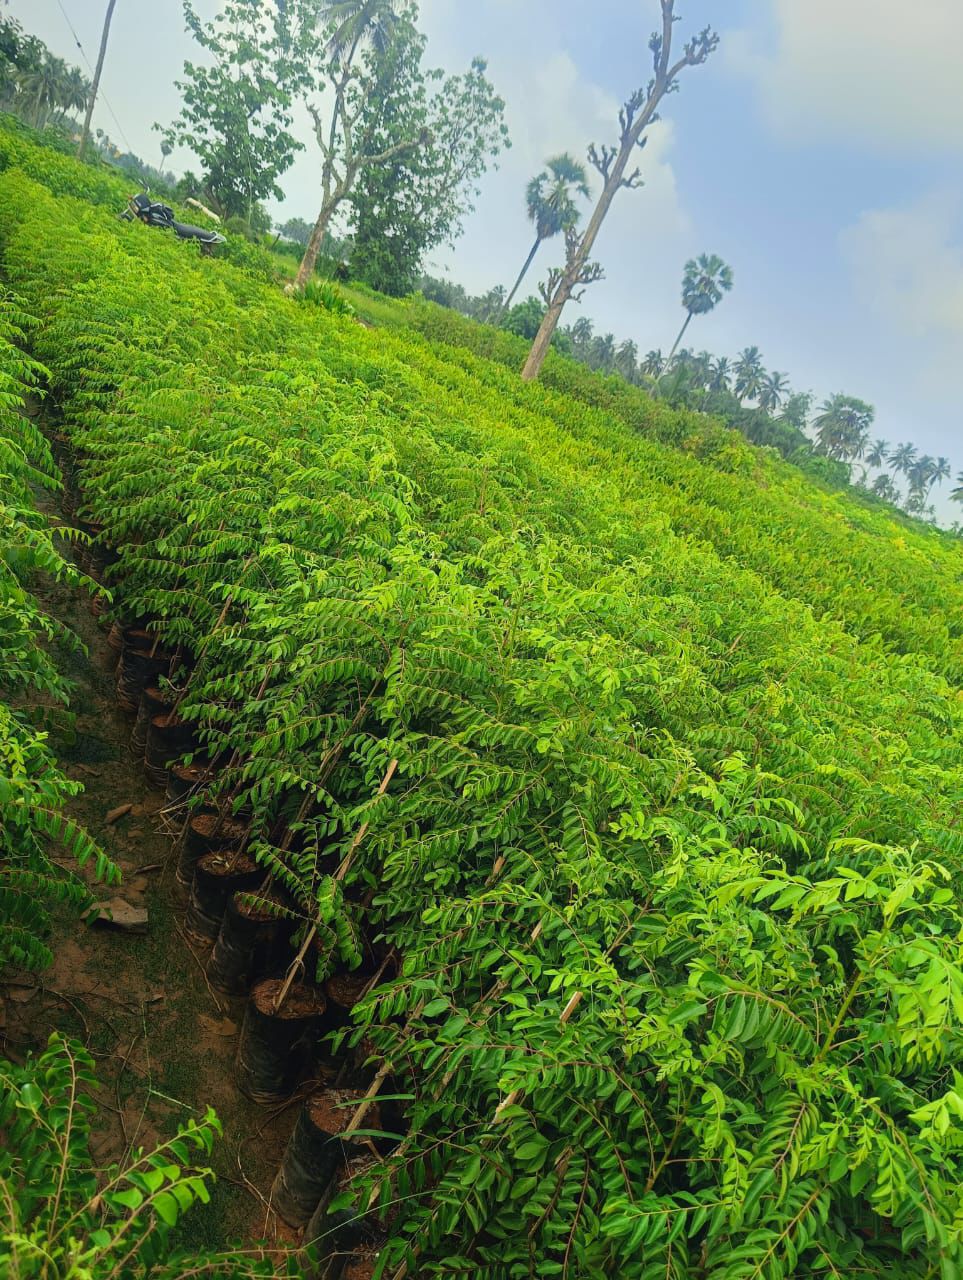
(103, 97)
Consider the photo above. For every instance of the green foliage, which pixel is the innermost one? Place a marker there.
(324, 293)
(33, 791)
(670, 847)
(66, 1217)
(236, 113)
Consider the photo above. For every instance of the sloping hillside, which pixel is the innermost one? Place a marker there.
(623, 761)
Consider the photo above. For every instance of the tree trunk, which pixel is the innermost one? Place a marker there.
(522, 274)
(543, 339)
(308, 262)
(669, 358)
(85, 134)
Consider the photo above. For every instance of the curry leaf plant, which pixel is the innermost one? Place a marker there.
(65, 1216)
(668, 855)
(33, 790)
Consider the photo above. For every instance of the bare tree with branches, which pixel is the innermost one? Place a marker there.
(612, 162)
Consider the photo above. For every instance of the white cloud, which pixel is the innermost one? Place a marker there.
(907, 270)
(883, 72)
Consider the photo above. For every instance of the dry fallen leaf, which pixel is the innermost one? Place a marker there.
(115, 814)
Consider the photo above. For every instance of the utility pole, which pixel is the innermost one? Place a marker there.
(96, 85)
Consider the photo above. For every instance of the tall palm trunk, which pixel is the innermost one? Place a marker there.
(675, 347)
(85, 133)
(521, 276)
(671, 356)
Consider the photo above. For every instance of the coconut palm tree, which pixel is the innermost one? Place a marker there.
(920, 474)
(842, 426)
(956, 495)
(941, 471)
(602, 352)
(651, 364)
(902, 457)
(884, 488)
(42, 88)
(352, 23)
(721, 372)
(550, 197)
(749, 374)
(775, 388)
(877, 453)
(704, 282)
(626, 359)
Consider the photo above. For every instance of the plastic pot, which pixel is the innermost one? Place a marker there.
(153, 702)
(217, 877)
(314, 1155)
(206, 833)
(244, 947)
(168, 739)
(273, 1044)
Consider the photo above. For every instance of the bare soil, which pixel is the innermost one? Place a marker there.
(164, 1042)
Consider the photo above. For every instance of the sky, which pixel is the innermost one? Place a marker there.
(818, 152)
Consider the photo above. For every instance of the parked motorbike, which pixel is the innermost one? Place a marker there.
(155, 214)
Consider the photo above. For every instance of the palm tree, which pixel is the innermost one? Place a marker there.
(721, 371)
(956, 495)
(920, 474)
(775, 387)
(877, 453)
(651, 364)
(842, 426)
(74, 91)
(884, 488)
(941, 471)
(749, 374)
(550, 197)
(704, 282)
(42, 88)
(581, 333)
(352, 23)
(626, 358)
(902, 457)
(602, 352)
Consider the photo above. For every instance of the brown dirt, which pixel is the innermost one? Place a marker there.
(300, 1002)
(331, 1110)
(207, 823)
(227, 863)
(346, 989)
(141, 1004)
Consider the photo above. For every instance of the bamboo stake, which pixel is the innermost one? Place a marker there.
(339, 875)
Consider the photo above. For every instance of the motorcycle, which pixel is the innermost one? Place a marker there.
(154, 214)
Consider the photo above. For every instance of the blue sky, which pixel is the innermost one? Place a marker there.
(818, 152)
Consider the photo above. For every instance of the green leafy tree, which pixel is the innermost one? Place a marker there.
(613, 162)
(357, 44)
(705, 282)
(550, 199)
(797, 409)
(418, 198)
(236, 114)
(296, 230)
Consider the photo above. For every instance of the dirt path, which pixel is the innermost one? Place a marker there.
(163, 1041)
